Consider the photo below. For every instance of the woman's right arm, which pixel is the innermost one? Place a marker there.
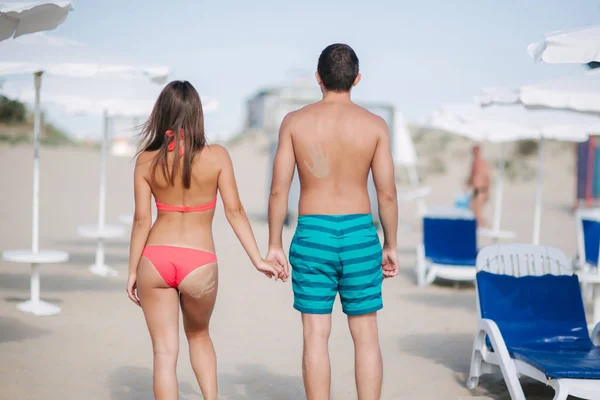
(237, 218)
(142, 222)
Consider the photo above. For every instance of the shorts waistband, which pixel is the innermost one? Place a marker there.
(339, 224)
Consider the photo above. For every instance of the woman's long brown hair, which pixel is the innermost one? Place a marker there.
(177, 109)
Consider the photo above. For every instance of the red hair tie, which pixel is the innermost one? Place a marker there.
(173, 142)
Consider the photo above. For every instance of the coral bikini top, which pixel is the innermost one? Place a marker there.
(169, 208)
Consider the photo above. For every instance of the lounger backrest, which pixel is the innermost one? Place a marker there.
(523, 259)
(450, 234)
(531, 293)
(533, 309)
(588, 232)
(591, 239)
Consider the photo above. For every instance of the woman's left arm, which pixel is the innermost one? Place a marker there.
(142, 222)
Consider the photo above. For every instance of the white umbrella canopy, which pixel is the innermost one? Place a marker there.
(519, 123)
(461, 119)
(404, 154)
(60, 56)
(19, 18)
(71, 97)
(577, 93)
(577, 46)
(156, 74)
(523, 123)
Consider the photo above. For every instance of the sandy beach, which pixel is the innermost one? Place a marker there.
(98, 347)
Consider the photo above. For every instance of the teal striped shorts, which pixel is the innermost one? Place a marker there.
(336, 253)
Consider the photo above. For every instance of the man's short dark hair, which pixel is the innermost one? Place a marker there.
(338, 67)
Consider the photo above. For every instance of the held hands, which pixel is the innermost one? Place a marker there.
(389, 263)
(277, 256)
(271, 269)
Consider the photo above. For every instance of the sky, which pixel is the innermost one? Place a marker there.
(415, 55)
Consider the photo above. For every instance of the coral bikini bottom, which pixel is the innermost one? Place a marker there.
(174, 263)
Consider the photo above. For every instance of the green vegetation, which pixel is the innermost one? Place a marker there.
(12, 111)
(527, 148)
(16, 126)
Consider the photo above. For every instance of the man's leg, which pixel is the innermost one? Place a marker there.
(315, 275)
(360, 295)
(477, 205)
(485, 197)
(368, 365)
(316, 369)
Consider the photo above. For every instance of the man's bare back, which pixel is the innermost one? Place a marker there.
(334, 144)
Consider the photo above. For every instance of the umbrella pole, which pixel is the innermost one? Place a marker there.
(499, 192)
(35, 231)
(538, 197)
(102, 199)
(413, 176)
(101, 232)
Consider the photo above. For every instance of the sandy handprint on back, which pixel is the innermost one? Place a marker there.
(320, 164)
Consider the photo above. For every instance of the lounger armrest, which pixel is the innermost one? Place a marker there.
(596, 335)
(490, 328)
(507, 365)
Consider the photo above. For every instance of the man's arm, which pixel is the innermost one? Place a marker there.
(383, 170)
(283, 173)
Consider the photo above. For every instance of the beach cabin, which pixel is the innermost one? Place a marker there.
(588, 172)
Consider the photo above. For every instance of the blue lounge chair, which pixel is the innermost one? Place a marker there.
(449, 248)
(532, 322)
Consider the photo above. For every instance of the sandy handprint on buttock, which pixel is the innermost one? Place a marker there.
(320, 164)
(207, 285)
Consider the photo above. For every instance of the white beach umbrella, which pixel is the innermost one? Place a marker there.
(87, 96)
(577, 93)
(404, 155)
(40, 53)
(449, 119)
(521, 123)
(404, 150)
(19, 18)
(577, 46)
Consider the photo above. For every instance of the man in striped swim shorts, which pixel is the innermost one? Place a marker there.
(335, 145)
(336, 253)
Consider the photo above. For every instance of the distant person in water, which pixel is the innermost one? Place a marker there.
(334, 144)
(479, 181)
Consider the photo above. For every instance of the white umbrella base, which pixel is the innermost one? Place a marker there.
(103, 270)
(496, 234)
(39, 308)
(99, 268)
(34, 305)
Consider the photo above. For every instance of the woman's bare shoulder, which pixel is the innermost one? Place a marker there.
(145, 158)
(216, 154)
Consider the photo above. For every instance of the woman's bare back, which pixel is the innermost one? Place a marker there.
(185, 229)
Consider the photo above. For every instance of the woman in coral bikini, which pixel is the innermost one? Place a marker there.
(173, 263)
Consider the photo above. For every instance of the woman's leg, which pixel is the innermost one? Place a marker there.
(160, 303)
(198, 295)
